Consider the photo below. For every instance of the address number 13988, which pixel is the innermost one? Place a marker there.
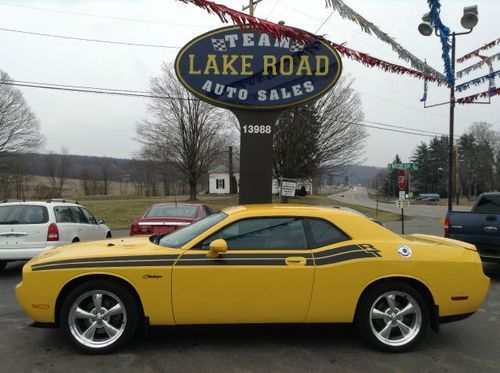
(257, 129)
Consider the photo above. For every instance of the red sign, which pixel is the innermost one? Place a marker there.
(402, 179)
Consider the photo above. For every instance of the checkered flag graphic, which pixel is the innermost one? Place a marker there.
(219, 45)
(296, 46)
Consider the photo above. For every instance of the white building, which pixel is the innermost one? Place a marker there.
(218, 180)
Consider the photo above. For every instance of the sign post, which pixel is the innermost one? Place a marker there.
(402, 181)
(256, 76)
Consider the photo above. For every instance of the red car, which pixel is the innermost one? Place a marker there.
(168, 217)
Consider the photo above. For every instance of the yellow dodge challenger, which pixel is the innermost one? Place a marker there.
(257, 264)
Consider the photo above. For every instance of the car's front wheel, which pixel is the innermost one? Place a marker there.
(3, 264)
(99, 316)
(393, 316)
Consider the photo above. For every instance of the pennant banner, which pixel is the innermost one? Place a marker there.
(245, 21)
(475, 82)
(488, 61)
(470, 99)
(368, 27)
(444, 33)
(478, 50)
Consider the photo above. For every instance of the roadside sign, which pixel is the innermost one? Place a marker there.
(402, 166)
(402, 194)
(402, 180)
(288, 188)
(402, 204)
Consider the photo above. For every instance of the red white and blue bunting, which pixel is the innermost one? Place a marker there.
(245, 21)
(478, 50)
(482, 79)
(370, 28)
(470, 99)
(486, 61)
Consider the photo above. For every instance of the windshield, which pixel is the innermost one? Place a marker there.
(182, 236)
(172, 211)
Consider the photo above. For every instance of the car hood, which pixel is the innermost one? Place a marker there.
(133, 246)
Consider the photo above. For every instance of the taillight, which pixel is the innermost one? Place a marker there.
(53, 233)
(134, 228)
(447, 226)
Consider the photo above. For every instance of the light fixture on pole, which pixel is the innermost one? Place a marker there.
(469, 21)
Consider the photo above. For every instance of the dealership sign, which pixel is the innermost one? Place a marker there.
(245, 69)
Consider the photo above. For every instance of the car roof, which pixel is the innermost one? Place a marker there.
(39, 203)
(294, 209)
(179, 204)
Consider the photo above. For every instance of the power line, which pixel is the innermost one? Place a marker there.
(326, 20)
(146, 94)
(87, 39)
(83, 89)
(149, 21)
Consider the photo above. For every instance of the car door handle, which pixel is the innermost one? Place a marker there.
(295, 261)
(490, 229)
(491, 218)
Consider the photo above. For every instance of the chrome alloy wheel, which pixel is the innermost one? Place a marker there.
(395, 318)
(97, 319)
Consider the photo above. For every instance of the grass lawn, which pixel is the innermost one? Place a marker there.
(120, 211)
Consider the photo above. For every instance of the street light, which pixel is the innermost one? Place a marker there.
(469, 21)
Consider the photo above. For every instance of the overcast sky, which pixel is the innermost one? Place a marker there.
(101, 125)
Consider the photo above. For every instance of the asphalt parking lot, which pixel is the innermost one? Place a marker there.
(469, 345)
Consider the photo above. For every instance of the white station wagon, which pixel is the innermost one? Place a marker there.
(29, 228)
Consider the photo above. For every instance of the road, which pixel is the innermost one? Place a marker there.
(359, 196)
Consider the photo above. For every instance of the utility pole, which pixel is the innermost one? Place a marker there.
(252, 4)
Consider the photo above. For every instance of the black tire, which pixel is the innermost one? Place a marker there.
(108, 235)
(75, 240)
(101, 341)
(386, 330)
(3, 264)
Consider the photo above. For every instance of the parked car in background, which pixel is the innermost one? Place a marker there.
(168, 217)
(480, 226)
(29, 228)
(428, 197)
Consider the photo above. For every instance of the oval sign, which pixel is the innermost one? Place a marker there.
(244, 69)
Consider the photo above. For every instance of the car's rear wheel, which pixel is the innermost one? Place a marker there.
(99, 316)
(108, 235)
(393, 316)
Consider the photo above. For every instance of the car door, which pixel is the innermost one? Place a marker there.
(68, 227)
(265, 276)
(93, 229)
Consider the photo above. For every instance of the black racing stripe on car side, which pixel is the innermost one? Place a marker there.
(335, 251)
(188, 256)
(343, 257)
(145, 263)
(109, 259)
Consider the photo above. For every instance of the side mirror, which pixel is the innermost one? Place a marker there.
(101, 221)
(216, 247)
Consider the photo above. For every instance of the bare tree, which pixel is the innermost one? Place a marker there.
(185, 130)
(322, 137)
(57, 171)
(19, 127)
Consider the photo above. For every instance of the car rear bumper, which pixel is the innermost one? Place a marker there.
(21, 254)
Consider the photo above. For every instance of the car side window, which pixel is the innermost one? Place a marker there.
(88, 215)
(322, 233)
(207, 211)
(78, 215)
(283, 233)
(63, 214)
